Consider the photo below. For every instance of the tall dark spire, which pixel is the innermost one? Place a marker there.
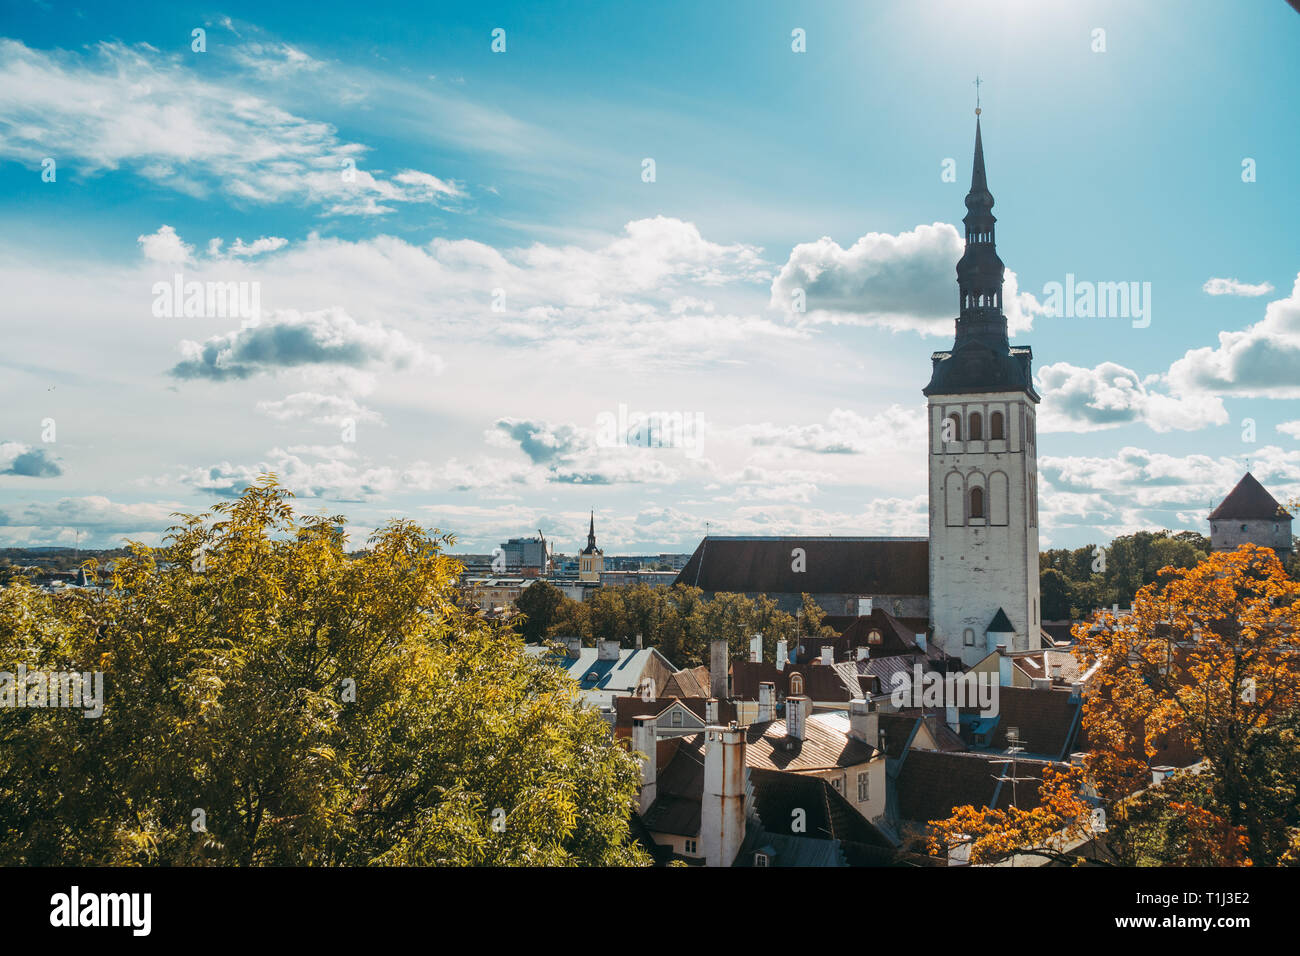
(591, 536)
(981, 358)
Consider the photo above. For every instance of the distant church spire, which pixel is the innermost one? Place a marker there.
(591, 536)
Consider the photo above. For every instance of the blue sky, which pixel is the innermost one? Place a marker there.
(380, 380)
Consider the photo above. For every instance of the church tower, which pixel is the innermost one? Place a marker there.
(983, 460)
(591, 560)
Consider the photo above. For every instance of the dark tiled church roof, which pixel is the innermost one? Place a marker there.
(865, 566)
(1249, 501)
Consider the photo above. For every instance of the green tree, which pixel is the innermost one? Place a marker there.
(539, 603)
(271, 700)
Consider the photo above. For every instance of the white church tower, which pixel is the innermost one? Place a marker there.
(983, 461)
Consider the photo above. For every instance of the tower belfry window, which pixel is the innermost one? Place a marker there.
(976, 426)
(996, 426)
(977, 502)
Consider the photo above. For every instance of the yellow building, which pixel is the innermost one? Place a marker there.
(591, 560)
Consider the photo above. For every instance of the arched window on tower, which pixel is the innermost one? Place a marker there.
(977, 502)
(954, 427)
(997, 427)
(976, 426)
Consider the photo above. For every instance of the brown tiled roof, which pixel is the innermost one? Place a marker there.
(823, 747)
(895, 636)
(680, 788)
(828, 815)
(1249, 501)
(931, 783)
(1047, 720)
(1040, 663)
(819, 681)
(688, 682)
(834, 565)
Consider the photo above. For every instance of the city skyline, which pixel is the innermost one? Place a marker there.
(469, 279)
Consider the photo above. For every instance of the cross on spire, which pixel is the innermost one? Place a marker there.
(977, 94)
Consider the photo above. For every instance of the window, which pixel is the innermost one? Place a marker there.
(690, 846)
(976, 426)
(796, 685)
(954, 427)
(873, 636)
(864, 787)
(677, 717)
(1245, 527)
(977, 502)
(968, 638)
(838, 784)
(997, 426)
(760, 859)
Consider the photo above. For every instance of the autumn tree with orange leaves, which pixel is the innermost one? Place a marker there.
(1208, 657)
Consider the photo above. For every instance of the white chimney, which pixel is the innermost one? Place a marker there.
(952, 718)
(638, 643)
(643, 740)
(864, 653)
(920, 642)
(573, 646)
(864, 722)
(711, 710)
(828, 654)
(607, 650)
(766, 701)
(718, 669)
(722, 806)
(796, 716)
(1041, 683)
(782, 655)
(756, 648)
(864, 606)
(1004, 666)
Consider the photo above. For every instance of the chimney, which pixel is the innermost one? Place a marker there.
(828, 654)
(863, 653)
(718, 669)
(920, 642)
(607, 650)
(643, 739)
(766, 701)
(1042, 683)
(722, 807)
(951, 718)
(711, 711)
(796, 716)
(782, 655)
(1004, 666)
(639, 645)
(864, 606)
(573, 646)
(864, 722)
(756, 648)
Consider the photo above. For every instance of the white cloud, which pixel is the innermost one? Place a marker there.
(845, 432)
(318, 408)
(901, 282)
(166, 247)
(1091, 399)
(1235, 287)
(1260, 361)
(290, 339)
(134, 107)
(1290, 428)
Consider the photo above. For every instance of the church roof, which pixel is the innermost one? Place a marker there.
(832, 565)
(1000, 624)
(1249, 501)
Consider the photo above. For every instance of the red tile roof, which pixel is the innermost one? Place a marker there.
(1249, 501)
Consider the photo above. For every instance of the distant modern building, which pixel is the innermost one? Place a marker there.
(524, 553)
(1250, 515)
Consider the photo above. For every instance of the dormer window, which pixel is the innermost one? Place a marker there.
(796, 685)
(762, 859)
